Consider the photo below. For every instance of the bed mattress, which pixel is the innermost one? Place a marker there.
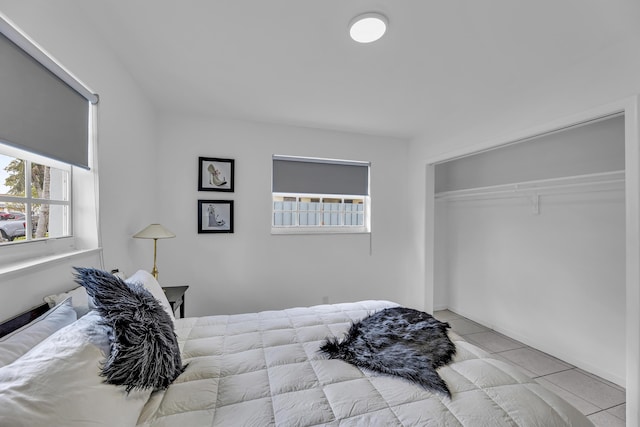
(264, 369)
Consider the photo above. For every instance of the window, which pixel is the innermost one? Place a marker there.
(35, 200)
(311, 195)
(47, 140)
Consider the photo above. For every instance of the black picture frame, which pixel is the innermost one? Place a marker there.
(215, 216)
(215, 174)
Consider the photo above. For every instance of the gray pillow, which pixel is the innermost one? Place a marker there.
(144, 349)
(20, 341)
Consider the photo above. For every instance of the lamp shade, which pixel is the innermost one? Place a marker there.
(154, 231)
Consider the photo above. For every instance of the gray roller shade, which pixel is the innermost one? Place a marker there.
(39, 112)
(319, 176)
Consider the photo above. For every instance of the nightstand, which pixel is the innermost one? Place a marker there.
(175, 296)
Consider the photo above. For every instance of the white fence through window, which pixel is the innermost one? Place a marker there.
(306, 211)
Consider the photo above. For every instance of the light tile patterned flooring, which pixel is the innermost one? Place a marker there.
(602, 401)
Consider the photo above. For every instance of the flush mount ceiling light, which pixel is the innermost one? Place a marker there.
(368, 27)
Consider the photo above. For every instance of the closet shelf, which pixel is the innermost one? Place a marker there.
(604, 181)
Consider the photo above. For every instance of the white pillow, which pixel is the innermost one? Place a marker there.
(58, 383)
(20, 341)
(151, 284)
(80, 301)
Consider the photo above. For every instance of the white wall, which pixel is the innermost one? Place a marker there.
(25, 289)
(593, 148)
(253, 270)
(555, 280)
(126, 126)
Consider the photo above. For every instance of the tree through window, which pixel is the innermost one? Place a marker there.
(34, 200)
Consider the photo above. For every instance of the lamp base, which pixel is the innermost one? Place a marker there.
(154, 271)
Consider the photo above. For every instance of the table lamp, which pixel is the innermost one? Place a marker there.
(155, 232)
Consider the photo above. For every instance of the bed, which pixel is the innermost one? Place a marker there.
(259, 369)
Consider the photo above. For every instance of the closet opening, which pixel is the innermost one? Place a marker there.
(537, 237)
(534, 239)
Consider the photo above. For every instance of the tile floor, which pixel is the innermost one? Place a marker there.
(602, 401)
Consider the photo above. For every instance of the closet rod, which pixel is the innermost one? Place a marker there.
(608, 179)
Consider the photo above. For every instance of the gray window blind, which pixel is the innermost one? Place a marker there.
(320, 176)
(39, 112)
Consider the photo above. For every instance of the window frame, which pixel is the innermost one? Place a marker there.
(83, 214)
(341, 228)
(28, 200)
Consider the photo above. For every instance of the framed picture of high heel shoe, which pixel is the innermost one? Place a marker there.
(215, 216)
(215, 174)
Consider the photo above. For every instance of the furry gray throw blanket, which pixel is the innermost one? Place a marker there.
(398, 341)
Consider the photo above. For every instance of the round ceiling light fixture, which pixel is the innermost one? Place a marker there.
(368, 27)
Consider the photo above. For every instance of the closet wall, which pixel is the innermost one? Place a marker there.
(531, 242)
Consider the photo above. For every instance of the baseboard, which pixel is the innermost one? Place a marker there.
(572, 360)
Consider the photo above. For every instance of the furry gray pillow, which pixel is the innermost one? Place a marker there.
(144, 349)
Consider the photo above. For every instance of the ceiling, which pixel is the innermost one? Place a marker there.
(292, 62)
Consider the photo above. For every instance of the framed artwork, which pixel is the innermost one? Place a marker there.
(215, 216)
(215, 174)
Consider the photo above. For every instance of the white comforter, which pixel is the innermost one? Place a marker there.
(264, 369)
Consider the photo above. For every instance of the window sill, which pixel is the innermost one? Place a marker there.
(317, 230)
(22, 266)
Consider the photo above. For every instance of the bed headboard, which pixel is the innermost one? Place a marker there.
(22, 319)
